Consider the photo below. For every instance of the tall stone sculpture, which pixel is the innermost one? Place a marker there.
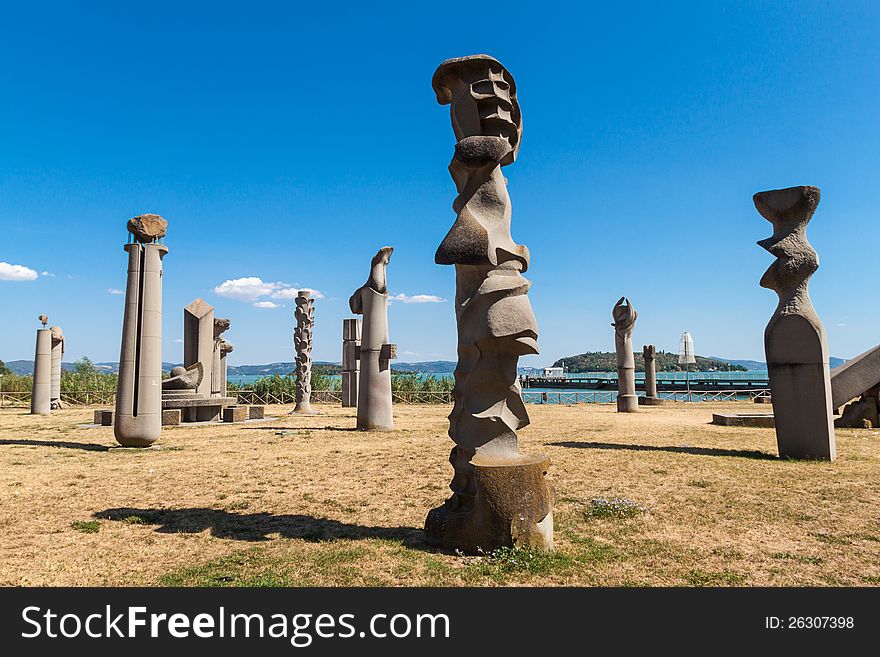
(794, 340)
(624, 321)
(374, 388)
(57, 357)
(351, 344)
(41, 391)
(499, 496)
(218, 373)
(198, 341)
(302, 343)
(649, 353)
(138, 418)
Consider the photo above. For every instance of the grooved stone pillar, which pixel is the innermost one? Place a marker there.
(42, 389)
(198, 341)
(351, 341)
(218, 358)
(138, 417)
(302, 342)
(650, 354)
(57, 356)
(226, 348)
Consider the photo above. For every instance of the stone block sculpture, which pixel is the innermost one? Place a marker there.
(218, 375)
(500, 497)
(302, 343)
(137, 421)
(226, 348)
(376, 352)
(41, 392)
(649, 353)
(198, 340)
(794, 340)
(57, 357)
(625, 316)
(351, 344)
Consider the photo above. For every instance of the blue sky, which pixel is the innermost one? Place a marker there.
(289, 141)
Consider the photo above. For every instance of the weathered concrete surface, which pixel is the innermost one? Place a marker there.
(374, 411)
(351, 343)
(171, 417)
(41, 393)
(857, 375)
(625, 316)
(138, 417)
(794, 340)
(198, 340)
(235, 413)
(104, 417)
(744, 419)
(57, 357)
(256, 412)
(499, 496)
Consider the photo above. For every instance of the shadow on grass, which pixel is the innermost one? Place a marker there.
(699, 451)
(258, 526)
(300, 428)
(90, 447)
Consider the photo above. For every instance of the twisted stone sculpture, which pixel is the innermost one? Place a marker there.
(625, 316)
(794, 340)
(499, 496)
(302, 342)
(374, 411)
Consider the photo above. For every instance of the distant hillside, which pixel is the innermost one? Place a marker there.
(606, 361)
(752, 365)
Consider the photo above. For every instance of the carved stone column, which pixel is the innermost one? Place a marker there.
(499, 496)
(302, 342)
(351, 344)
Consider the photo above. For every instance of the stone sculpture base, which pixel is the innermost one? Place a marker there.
(627, 404)
(303, 408)
(651, 401)
(256, 412)
(513, 508)
(235, 413)
(764, 420)
(194, 407)
(171, 417)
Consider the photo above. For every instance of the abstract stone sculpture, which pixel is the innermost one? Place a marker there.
(218, 378)
(625, 316)
(857, 377)
(198, 340)
(57, 357)
(41, 393)
(184, 378)
(374, 389)
(794, 340)
(649, 353)
(499, 496)
(351, 344)
(137, 421)
(302, 343)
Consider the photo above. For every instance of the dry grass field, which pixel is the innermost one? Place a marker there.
(322, 504)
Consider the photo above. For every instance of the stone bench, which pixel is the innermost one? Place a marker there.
(256, 412)
(764, 420)
(235, 413)
(104, 417)
(171, 417)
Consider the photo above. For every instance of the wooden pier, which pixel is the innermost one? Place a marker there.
(663, 384)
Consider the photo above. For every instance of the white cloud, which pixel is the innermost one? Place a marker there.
(265, 304)
(291, 292)
(251, 288)
(179, 340)
(16, 272)
(248, 288)
(47, 273)
(418, 298)
(113, 290)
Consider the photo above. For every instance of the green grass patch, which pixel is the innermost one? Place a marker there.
(134, 520)
(802, 558)
(86, 526)
(722, 578)
(615, 507)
